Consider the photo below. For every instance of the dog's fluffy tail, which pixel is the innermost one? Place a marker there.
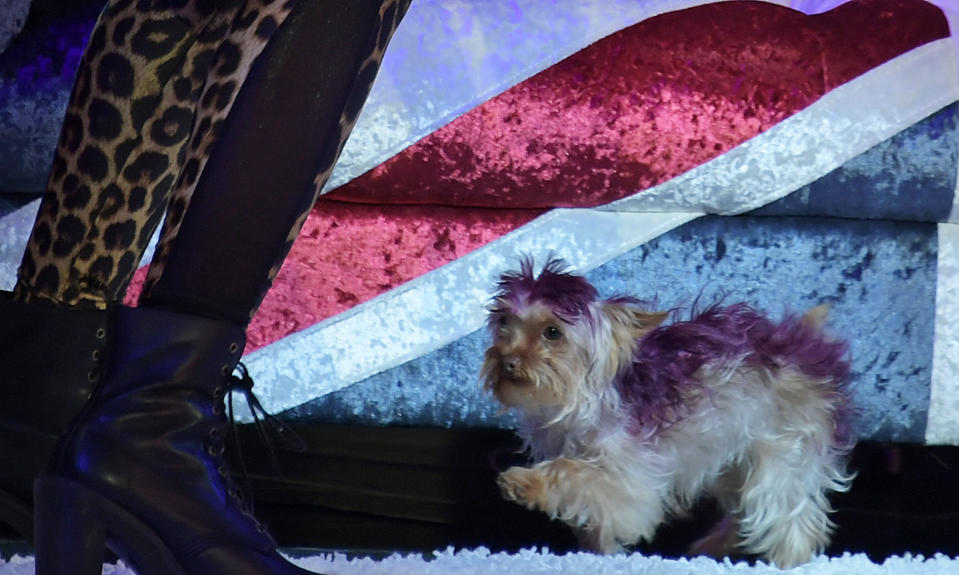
(816, 317)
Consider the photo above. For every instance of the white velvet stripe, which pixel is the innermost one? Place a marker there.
(951, 10)
(841, 125)
(942, 423)
(15, 229)
(439, 307)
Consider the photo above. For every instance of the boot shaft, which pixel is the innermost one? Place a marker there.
(50, 361)
(51, 358)
(151, 438)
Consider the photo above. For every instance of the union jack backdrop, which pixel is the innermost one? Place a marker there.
(676, 150)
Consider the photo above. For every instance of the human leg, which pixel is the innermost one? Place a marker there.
(225, 237)
(120, 148)
(117, 156)
(171, 367)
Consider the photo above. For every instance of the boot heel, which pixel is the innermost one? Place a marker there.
(75, 525)
(68, 536)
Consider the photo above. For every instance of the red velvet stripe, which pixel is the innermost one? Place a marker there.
(645, 105)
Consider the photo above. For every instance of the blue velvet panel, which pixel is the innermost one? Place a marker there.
(880, 278)
(911, 176)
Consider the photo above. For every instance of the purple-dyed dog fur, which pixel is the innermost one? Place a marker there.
(568, 295)
(629, 420)
(668, 358)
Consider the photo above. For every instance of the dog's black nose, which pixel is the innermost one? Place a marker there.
(510, 363)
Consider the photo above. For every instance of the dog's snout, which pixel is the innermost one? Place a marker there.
(511, 363)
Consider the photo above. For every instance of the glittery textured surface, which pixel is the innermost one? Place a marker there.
(15, 13)
(420, 275)
(15, 227)
(879, 278)
(451, 55)
(644, 105)
(844, 123)
(36, 74)
(436, 308)
(943, 426)
(337, 286)
(427, 79)
(902, 25)
(849, 121)
(348, 253)
(911, 176)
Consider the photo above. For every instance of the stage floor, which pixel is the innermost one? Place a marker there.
(373, 491)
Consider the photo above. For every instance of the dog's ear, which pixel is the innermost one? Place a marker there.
(634, 318)
(816, 317)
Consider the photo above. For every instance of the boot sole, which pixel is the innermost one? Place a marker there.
(75, 525)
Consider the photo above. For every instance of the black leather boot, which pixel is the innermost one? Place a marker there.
(50, 360)
(142, 469)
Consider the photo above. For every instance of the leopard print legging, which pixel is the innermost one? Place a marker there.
(157, 123)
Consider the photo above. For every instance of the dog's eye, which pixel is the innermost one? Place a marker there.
(552, 333)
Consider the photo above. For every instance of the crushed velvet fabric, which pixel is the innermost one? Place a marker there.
(348, 253)
(878, 277)
(911, 177)
(942, 422)
(611, 121)
(645, 104)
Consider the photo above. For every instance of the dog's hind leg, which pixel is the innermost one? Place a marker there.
(784, 504)
(723, 538)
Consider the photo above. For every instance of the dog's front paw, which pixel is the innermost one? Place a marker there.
(524, 486)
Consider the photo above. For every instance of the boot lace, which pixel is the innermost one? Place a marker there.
(271, 430)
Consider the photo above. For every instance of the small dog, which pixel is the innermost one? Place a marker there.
(630, 421)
